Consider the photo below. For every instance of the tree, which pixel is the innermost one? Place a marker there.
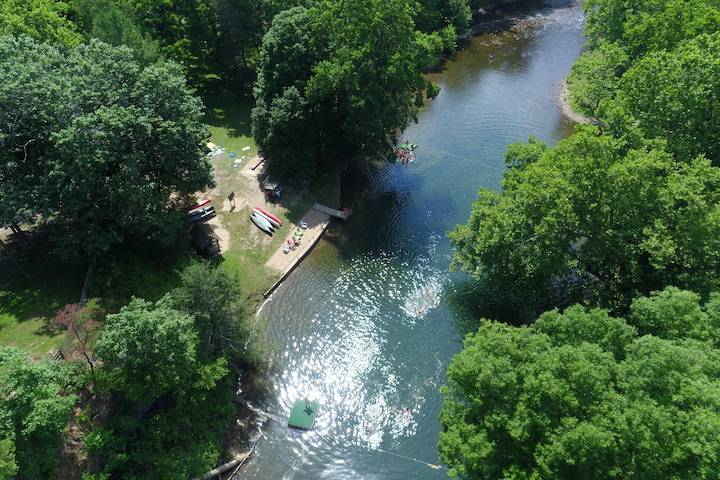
(81, 322)
(434, 15)
(43, 20)
(677, 314)
(241, 26)
(635, 220)
(8, 467)
(147, 350)
(114, 24)
(216, 304)
(97, 147)
(281, 112)
(187, 30)
(595, 77)
(580, 395)
(673, 95)
(647, 26)
(336, 79)
(170, 405)
(33, 414)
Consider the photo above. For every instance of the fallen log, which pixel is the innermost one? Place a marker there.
(235, 463)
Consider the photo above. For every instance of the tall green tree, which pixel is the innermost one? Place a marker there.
(595, 77)
(649, 25)
(147, 350)
(434, 15)
(336, 79)
(634, 220)
(187, 30)
(677, 314)
(114, 24)
(8, 467)
(581, 395)
(674, 95)
(35, 408)
(170, 403)
(43, 20)
(215, 301)
(96, 146)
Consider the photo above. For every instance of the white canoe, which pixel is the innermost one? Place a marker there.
(262, 223)
(271, 221)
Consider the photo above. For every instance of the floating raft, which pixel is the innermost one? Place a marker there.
(303, 415)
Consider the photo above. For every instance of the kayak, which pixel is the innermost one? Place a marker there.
(270, 220)
(262, 224)
(269, 215)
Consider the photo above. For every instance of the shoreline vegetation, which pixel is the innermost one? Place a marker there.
(616, 225)
(567, 109)
(101, 158)
(144, 280)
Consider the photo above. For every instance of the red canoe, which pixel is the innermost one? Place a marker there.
(199, 205)
(268, 214)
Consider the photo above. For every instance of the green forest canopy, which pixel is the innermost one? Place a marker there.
(615, 211)
(582, 394)
(82, 126)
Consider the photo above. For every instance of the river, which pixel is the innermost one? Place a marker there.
(364, 324)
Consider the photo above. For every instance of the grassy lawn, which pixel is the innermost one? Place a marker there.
(28, 305)
(229, 121)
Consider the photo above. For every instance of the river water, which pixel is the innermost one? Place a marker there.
(364, 324)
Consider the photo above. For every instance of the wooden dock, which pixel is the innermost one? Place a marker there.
(333, 212)
(285, 263)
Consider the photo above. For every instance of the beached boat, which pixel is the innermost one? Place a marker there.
(200, 205)
(262, 223)
(267, 217)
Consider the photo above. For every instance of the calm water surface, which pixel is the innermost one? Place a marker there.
(363, 325)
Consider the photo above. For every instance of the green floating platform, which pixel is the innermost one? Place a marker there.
(303, 415)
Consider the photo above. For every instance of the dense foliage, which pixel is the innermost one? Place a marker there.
(611, 213)
(653, 66)
(631, 219)
(165, 367)
(336, 79)
(82, 126)
(674, 95)
(114, 24)
(43, 20)
(35, 408)
(582, 395)
(214, 300)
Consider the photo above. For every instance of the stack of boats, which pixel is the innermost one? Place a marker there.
(264, 220)
(201, 211)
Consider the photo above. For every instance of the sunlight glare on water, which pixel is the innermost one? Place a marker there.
(363, 325)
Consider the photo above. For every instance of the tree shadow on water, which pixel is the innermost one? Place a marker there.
(473, 300)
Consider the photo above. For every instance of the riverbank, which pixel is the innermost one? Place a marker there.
(563, 99)
(357, 325)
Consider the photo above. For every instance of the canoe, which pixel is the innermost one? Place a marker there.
(268, 214)
(267, 217)
(204, 213)
(262, 224)
(199, 205)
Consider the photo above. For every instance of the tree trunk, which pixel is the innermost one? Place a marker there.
(88, 280)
